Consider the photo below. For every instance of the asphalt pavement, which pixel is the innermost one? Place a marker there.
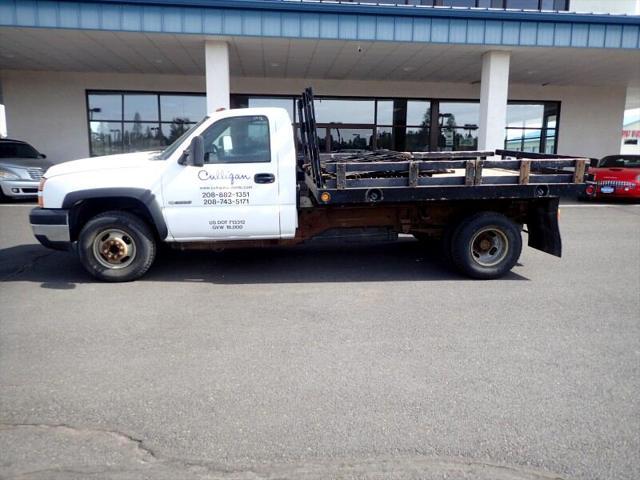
(371, 361)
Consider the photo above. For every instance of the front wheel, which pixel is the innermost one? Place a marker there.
(486, 245)
(116, 247)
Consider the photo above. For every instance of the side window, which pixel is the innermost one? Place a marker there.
(238, 140)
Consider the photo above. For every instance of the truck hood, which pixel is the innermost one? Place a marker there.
(108, 162)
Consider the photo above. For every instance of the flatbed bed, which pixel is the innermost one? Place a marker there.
(388, 176)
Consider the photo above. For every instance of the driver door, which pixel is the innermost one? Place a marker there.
(234, 195)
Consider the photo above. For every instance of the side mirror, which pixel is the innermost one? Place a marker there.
(194, 154)
(42, 155)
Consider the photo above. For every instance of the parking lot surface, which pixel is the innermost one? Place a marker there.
(370, 361)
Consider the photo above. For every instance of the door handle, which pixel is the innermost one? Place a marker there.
(264, 178)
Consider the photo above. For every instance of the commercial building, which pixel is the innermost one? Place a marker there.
(106, 76)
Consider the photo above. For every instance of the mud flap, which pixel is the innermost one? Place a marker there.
(542, 222)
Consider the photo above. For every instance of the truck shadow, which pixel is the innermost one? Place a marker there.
(405, 260)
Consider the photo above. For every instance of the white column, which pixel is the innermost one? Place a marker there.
(494, 89)
(217, 75)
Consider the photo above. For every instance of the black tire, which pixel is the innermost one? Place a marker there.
(123, 232)
(3, 197)
(486, 245)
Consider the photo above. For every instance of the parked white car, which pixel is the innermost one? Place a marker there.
(21, 168)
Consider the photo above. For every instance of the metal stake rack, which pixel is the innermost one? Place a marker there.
(385, 175)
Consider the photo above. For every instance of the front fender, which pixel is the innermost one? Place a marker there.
(142, 196)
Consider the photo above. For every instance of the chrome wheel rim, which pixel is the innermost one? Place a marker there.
(114, 248)
(489, 246)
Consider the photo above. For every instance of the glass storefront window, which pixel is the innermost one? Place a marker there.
(185, 108)
(550, 146)
(458, 122)
(139, 136)
(460, 114)
(105, 106)
(524, 139)
(131, 121)
(532, 127)
(525, 116)
(458, 139)
(141, 107)
(351, 139)
(345, 111)
(417, 139)
(384, 112)
(384, 138)
(404, 125)
(106, 138)
(418, 112)
(286, 103)
(323, 144)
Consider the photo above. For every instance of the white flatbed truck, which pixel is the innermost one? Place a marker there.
(243, 178)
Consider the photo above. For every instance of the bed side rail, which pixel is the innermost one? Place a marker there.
(482, 170)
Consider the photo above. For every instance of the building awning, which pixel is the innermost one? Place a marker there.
(301, 19)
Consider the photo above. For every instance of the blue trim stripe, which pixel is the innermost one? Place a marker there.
(150, 17)
(369, 8)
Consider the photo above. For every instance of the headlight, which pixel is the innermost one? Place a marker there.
(6, 174)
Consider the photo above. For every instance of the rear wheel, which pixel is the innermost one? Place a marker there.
(486, 245)
(116, 247)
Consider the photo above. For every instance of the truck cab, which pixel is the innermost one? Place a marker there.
(241, 185)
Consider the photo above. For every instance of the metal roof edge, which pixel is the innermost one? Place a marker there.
(364, 8)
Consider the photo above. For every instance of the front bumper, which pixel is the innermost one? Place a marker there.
(51, 227)
(20, 188)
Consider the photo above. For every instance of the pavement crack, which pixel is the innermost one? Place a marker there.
(23, 268)
(145, 463)
(56, 470)
(137, 443)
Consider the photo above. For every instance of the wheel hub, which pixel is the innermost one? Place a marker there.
(114, 248)
(485, 245)
(489, 246)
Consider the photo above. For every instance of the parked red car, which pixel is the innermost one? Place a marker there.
(615, 176)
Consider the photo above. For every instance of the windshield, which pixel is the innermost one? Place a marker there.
(620, 162)
(17, 150)
(167, 152)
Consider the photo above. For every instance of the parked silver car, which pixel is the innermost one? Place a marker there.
(21, 168)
